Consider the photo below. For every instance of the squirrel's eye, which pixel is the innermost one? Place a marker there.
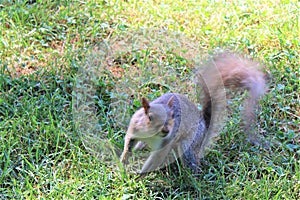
(150, 117)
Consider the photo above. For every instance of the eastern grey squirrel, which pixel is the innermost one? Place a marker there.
(172, 123)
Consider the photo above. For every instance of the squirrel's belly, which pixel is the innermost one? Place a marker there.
(153, 142)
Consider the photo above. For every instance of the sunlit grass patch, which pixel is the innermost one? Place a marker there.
(45, 44)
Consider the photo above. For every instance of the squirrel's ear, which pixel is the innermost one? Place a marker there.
(170, 102)
(146, 105)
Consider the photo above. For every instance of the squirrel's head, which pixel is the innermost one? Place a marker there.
(151, 119)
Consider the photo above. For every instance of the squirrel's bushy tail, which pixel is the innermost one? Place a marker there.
(230, 71)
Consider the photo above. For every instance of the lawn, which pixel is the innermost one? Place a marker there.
(73, 72)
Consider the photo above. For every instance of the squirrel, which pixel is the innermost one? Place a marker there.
(172, 123)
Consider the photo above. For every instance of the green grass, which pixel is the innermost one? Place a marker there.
(53, 146)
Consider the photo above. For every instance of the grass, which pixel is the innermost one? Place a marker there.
(56, 125)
